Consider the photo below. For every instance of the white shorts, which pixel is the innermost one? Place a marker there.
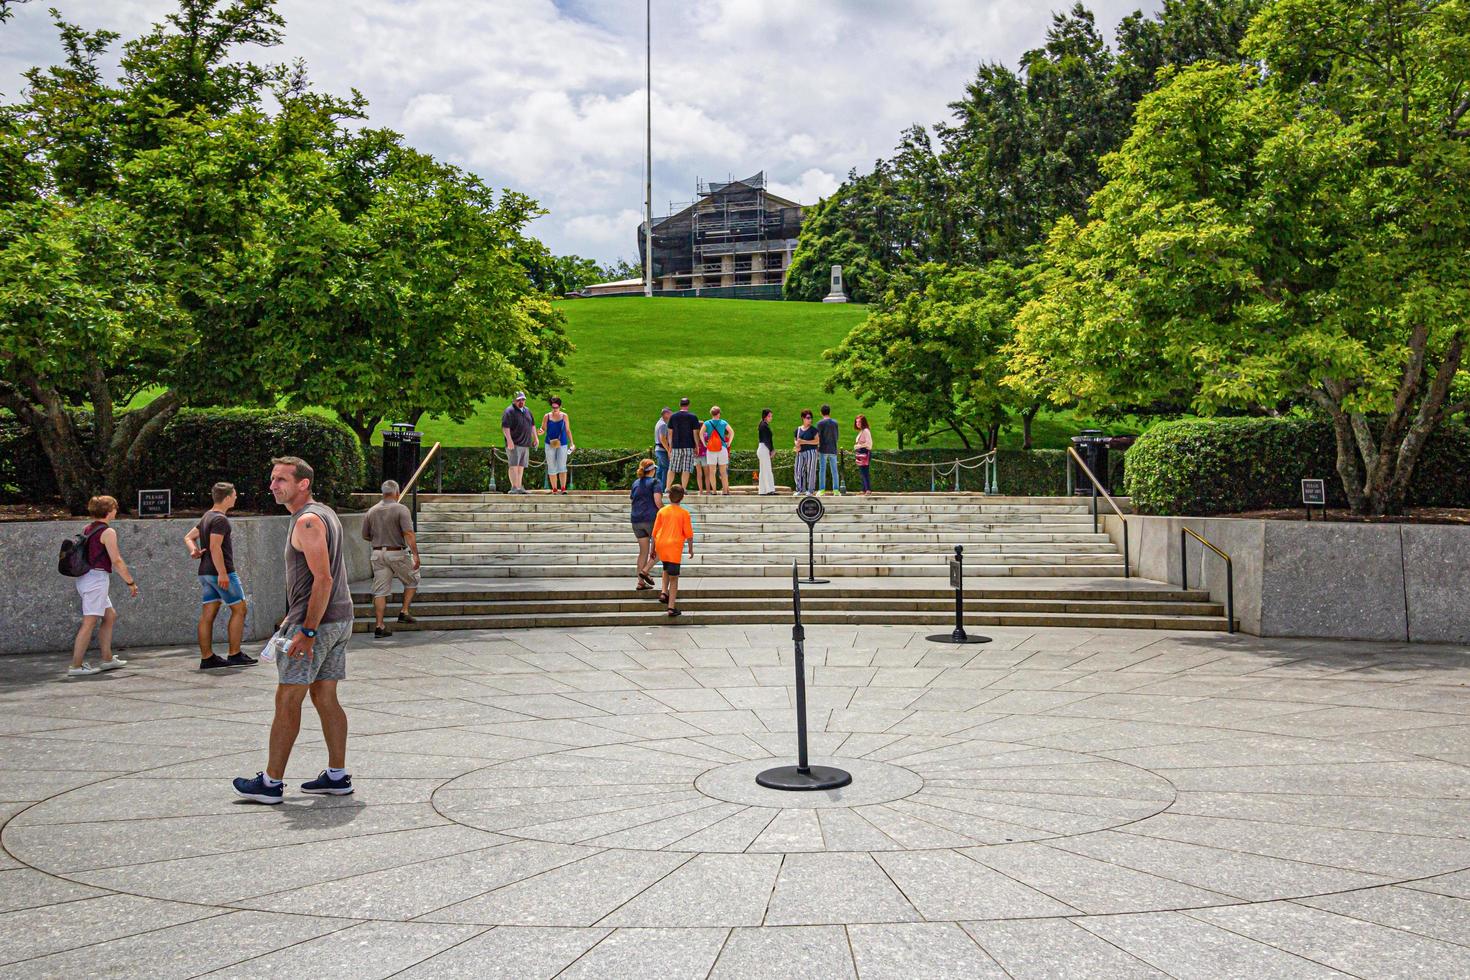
(92, 587)
(721, 458)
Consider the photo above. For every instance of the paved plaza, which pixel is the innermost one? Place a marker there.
(582, 803)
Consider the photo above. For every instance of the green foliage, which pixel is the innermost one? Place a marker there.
(198, 448)
(215, 228)
(1020, 150)
(932, 350)
(1273, 236)
(1225, 466)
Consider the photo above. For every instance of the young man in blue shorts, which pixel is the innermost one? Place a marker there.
(209, 542)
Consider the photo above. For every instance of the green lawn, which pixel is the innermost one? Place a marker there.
(635, 355)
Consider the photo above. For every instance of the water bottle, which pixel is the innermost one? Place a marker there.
(277, 645)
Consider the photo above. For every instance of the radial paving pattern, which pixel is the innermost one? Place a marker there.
(1057, 803)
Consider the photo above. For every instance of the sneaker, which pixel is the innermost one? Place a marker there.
(241, 660)
(381, 632)
(112, 664)
(406, 618)
(85, 670)
(325, 785)
(256, 790)
(214, 662)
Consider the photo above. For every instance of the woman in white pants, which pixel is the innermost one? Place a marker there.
(98, 616)
(765, 447)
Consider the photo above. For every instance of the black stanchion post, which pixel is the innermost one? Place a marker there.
(810, 510)
(803, 775)
(957, 581)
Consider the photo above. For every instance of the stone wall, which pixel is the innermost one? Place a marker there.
(1324, 579)
(39, 608)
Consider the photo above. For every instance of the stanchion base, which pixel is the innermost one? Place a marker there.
(815, 581)
(953, 638)
(816, 777)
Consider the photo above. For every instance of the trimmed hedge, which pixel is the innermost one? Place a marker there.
(1196, 467)
(198, 448)
(1040, 472)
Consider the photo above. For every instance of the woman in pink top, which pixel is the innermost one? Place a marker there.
(862, 451)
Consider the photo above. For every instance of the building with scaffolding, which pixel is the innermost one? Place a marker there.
(735, 239)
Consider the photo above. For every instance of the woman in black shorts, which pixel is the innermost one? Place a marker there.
(646, 499)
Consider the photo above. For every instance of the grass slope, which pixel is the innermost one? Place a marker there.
(635, 355)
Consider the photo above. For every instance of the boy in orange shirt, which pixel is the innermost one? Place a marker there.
(671, 529)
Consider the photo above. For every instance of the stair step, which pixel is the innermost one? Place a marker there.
(812, 602)
(736, 618)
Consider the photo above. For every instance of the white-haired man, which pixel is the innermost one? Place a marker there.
(388, 528)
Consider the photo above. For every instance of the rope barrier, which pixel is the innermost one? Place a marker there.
(892, 462)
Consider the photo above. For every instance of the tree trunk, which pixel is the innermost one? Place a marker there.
(1027, 417)
(82, 474)
(362, 427)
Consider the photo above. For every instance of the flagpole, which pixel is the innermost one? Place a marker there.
(648, 149)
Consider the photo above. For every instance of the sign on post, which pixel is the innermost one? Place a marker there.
(956, 575)
(1314, 494)
(155, 503)
(810, 510)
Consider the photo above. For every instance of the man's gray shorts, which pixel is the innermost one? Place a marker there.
(327, 660)
(518, 455)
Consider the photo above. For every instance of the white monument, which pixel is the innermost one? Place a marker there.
(836, 295)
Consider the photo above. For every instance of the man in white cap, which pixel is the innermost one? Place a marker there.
(519, 429)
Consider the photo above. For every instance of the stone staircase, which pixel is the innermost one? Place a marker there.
(501, 562)
(910, 535)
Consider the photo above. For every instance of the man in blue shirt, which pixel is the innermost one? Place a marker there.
(827, 435)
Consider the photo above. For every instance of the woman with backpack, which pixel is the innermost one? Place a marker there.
(717, 436)
(103, 558)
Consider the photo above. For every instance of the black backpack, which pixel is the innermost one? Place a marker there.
(73, 562)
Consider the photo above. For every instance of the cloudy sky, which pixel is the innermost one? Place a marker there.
(546, 96)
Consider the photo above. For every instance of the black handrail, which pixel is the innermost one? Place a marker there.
(1184, 535)
(1097, 488)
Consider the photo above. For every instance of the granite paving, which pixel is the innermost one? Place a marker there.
(582, 803)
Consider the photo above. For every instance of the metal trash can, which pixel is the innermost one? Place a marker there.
(401, 449)
(1092, 446)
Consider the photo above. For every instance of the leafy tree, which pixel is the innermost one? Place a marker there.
(1294, 231)
(557, 275)
(933, 350)
(211, 229)
(620, 269)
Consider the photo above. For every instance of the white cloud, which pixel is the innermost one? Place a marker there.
(813, 185)
(546, 96)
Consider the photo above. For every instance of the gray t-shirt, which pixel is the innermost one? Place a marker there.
(385, 524)
(660, 433)
(299, 577)
(522, 427)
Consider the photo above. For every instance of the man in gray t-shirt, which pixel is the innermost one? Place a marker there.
(519, 429)
(388, 527)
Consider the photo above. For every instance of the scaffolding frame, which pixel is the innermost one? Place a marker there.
(736, 218)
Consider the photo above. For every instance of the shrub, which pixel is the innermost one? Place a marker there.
(1225, 466)
(200, 447)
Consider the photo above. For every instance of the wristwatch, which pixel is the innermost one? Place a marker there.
(310, 634)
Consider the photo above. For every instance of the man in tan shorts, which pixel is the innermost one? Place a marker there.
(388, 527)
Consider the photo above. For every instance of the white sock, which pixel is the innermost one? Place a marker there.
(335, 773)
(272, 783)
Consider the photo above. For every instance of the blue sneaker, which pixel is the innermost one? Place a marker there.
(255, 789)
(327, 786)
